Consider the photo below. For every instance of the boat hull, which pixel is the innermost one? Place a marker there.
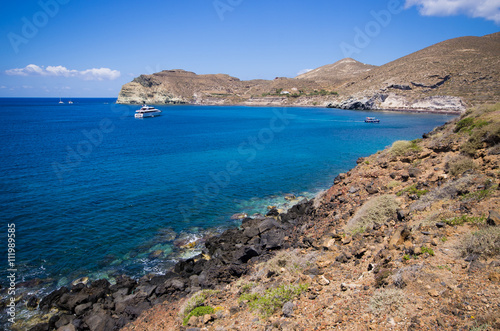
(148, 114)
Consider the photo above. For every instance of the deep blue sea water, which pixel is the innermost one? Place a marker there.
(93, 191)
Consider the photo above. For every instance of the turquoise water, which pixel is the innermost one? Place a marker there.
(94, 191)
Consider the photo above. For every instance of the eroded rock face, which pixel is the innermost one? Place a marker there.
(398, 102)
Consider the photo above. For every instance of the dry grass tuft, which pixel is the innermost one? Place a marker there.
(460, 164)
(386, 301)
(485, 243)
(375, 211)
(401, 147)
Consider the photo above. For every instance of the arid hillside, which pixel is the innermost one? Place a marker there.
(467, 68)
(332, 75)
(449, 76)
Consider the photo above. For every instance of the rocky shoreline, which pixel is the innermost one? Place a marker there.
(390, 225)
(100, 305)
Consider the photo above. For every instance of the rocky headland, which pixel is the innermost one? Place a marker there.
(450, 76)
(407, 240)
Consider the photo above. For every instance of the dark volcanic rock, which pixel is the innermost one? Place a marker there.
(99, 322)
(50, 300)
(493, 218)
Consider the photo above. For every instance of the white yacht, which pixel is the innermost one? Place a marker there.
(60, 101)
(147, 111)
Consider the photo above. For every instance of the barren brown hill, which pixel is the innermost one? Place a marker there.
(184, 87)
(466, 67)
(449, 76)
(338, 72)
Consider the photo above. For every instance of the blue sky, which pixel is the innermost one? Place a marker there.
(75, 48)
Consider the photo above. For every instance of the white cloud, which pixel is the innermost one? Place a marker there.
(3, 86)
(60, 71)
(304, 71)
(488, 9)
(27, 86)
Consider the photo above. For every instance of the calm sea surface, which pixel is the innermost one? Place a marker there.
(93, 191)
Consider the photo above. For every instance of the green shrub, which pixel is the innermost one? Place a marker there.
(247, 287)
(428, 250)
(197, 300)
(401, 147)
(460, 164)
(412, 190)
(273, 299)
(461, 220)
(475, 142)
(479, 195)
(464, 124)
(198, 311)
(468, 124)
(485, 242)
(375, 211)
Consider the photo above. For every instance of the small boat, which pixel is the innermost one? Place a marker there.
(60, 101)
(70, 102)
(372, 120)
(147, 111)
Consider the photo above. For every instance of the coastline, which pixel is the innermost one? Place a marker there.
(285, 105)
(180, 269)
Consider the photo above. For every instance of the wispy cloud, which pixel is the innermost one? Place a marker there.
(488, 9)
(304, 71)
(60, 71)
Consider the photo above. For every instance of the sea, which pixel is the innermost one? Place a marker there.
(93, 192)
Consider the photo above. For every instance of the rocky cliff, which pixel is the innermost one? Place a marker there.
(449, 76)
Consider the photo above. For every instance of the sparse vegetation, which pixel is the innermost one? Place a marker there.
(480, 327)
(197, 300)
(356, 231)
(393, 184)
(464, 124)
(461, 220)
(412, 190)
(481, 194)
(247, 287)
(273, 299)
(485, 242)
(291, 261)
(459, 165)
(447, 267)
(198, 311)
(427, 250)
(402, 147)
(388, 300)
(375, 211)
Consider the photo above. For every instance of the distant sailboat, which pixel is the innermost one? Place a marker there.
(60, 101)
